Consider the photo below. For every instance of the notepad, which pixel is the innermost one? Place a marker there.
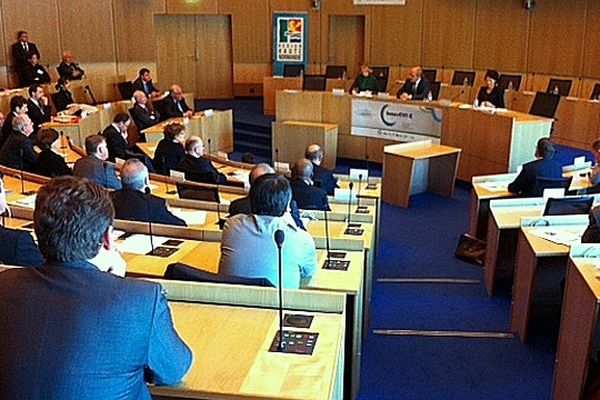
(191, 217)
(140, 244)
(557, 236)
(26, 201)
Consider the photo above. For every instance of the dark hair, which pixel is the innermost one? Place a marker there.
(121, 117)
(33, 88)
(492, 73)
(71, 216)
(172, 130)
(545, 148)
(17, 102)
(20, 33)
(92, 142)
(45, 138)
(248, 158)
(143, 71)
(270, 194)
(61, 82)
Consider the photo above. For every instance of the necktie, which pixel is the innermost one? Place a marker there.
(25, 46)
(179, 107)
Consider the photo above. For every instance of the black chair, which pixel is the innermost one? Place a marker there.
(434, 88)
(596, 92)
(335, 71)
(193, 192)
(381, 75)
(569, 205)
(125, 89)
(314, 82)
(544, 104)
(430, 74)
(293, 70)
(505, 80)
(184, 272)
(563, 86)
(460, 77)
(549, 183)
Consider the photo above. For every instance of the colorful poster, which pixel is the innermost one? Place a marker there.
(290, 36)
(395, 121)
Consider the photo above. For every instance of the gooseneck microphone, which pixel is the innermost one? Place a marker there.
(350, 186)
(209, 152)
(277, 160)
(147, 191)
(358, 193)
(327, 237)
(279, 238)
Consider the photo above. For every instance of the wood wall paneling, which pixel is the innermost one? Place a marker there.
(346, 42)
(251, 30)
(448, 29)
(591, 51)
(214, 67)
(556, 44)
(134, 40)
(192, 6)
(501, 29)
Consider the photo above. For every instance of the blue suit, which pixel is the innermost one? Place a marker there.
(525, 183)
(70, 331)
(96, 170)
(18, 248)
(324, 179)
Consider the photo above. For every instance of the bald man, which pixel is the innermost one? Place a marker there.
(307, 195)
(174, 105)
(141, 112)
(322, 177)
(68, 68)
(415, 87)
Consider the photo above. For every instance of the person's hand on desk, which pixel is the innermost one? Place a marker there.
(405, 96)
(188, 114)
(108, 258)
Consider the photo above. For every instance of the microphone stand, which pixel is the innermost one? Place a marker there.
(358, 194)
(350, 186)
(279, 238)
(277, 160)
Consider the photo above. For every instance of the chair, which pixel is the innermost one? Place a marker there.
(381, 78)
(596, 92)
(549, 183)
(314, 82)
(504, 81)
(569, 205)
(544, 104)
(293, 70)
(434, 87)
(184, 272)
(193, 192)
(335, 72)
(430, 74)
(562, 85)
(159, 105)
(125, 89)
(460, 77)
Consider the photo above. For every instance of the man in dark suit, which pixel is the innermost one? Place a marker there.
(17, 151)
(144, 83)
(94, 167)
(20, 51)
(416, 87)
(322, 177)
(118, 143)
(133, 203)
(37, 107)
(174, 105)
(544, 167)
(196, 167)
(18, 246)
(18, 105)
(303, 192)
(75, 328)
(68, 68)
(143, 116)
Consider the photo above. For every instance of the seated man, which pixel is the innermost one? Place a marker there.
(543, 167)
(196, 167)
(174, 105)
(169, 150)
(18, 246)
(143, 116)
(75, 328)
(322, 177)
(133, 203)
(144, 83)
(303, 192)
(17, 151)
(18, 105)
(68, 68)
(247, 246)
(242, 205)
(416, 87)
(118, 143)
(94, 167)
(34, 72)
(37, 107)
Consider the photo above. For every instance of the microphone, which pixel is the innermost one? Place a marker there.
(147, 191)
(209, 146)
(279, 238)
(462, 91)
(277, 160)
(350, 186)
(358, 194)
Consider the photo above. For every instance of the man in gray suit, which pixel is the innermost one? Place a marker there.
(94, 167)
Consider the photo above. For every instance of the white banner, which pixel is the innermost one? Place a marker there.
(380, 2)
(395, 121)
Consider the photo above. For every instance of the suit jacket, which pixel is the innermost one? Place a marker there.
(51, 164)
(19, 248)
(61, 340)
(525, 182)
(20, 57)
(38, 114)
(134, 205)
(169, 108)
(146, 87)
(143, 117)
(34, 74)
(167, 156)
(10, 154)
(496, 97)
(200, 170)
(62, 99)
(418, 93)
(96, 170)
(324, 179)
(117, 145)
(67, 70)
(309, 197)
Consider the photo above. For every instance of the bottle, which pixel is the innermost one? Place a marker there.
(429, 97)
(344, 76)
(510, 86)
(466, 82)
(555, 90)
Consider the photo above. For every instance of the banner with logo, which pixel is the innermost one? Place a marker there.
(395, 121)
(290, 39)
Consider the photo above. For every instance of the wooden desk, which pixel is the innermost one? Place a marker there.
(578, 323)
(411, 168)
(78, 131)
(291, 138)
(535, 256)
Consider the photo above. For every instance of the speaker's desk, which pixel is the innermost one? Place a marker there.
(539, 258)
(272, 84)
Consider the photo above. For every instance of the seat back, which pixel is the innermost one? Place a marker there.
(314, 82)
(505, 80)
(430, 74)
(434, 87)
(193, 192)
(569, 205)
(125, 89)
(293, 70)
(335, 71)
(549, 183)
(563, 86)
(460, 77)
(183, 272)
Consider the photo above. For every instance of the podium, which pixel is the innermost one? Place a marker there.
(291, 138)
(416, 167)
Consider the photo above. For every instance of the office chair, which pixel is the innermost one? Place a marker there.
(505, 80)
(293, 70)
(459, 77)
(434, 87)
(549, 183)
(183, 272)
(569, 205)
(125, 89)
(430, 74)
(193, 192)
(314, 82)
(381, 75)
(335, 71)
(562, 85)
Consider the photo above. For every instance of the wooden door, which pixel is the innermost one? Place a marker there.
(214, 66)
(347, 42)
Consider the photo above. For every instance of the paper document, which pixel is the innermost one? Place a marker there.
(140, 244)
(191, 217)
(26, 201)
(495, 186)
(557, 235)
